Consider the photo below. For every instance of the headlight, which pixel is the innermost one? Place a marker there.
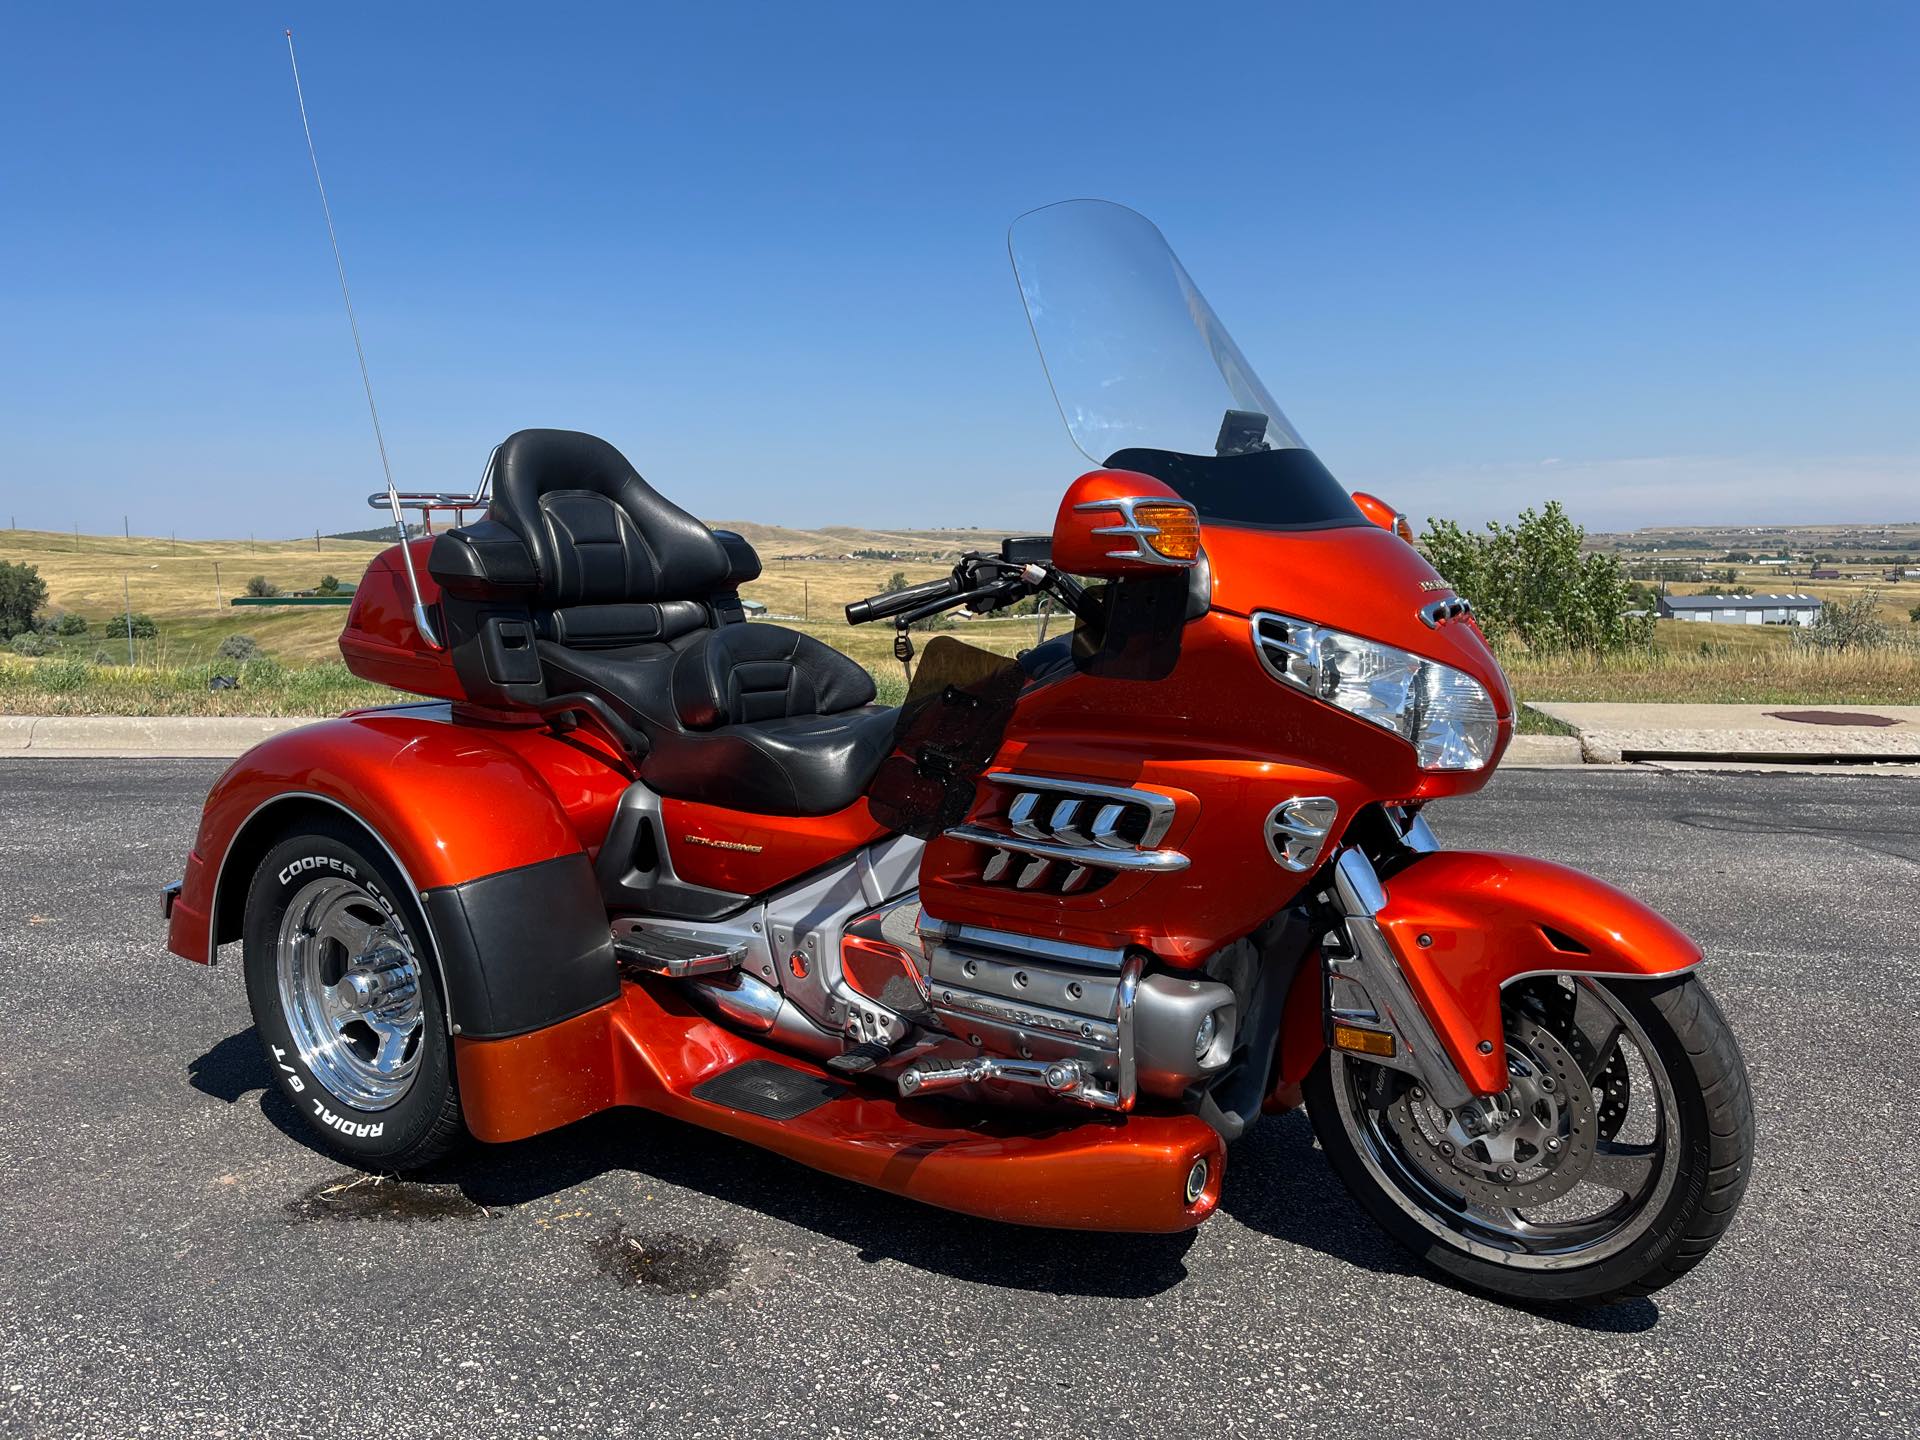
(1445, 714)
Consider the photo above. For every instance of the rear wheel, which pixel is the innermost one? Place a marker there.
(1610, 1166)
(347, 1002)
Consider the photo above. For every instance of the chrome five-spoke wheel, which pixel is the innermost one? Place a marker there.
(1609, 1165)
(1568, 1166)
(350, 989)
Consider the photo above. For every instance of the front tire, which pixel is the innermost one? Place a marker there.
(1610, 1169)
(347, 1001)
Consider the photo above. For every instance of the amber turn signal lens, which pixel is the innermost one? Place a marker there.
(1363, 1042)
(1178, 527)
(1403, 527)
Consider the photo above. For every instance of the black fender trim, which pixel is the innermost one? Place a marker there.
(524, 948)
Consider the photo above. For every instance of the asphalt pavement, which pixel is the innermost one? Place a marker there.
(174, 1259)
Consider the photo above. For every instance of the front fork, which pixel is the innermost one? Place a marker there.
(1368, 1003)
(1370, 1007)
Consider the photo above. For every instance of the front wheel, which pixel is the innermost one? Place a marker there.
(1610, 1166)
(347, 1002)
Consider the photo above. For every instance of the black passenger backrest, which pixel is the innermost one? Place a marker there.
(598, 533)
(579, 551)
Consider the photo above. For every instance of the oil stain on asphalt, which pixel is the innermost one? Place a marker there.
(373, 1197)
(665, 1262)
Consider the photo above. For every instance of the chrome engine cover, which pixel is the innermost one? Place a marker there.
(1038, 1000)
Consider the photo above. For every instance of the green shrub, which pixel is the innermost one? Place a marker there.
(71, 624)
(1847, 625)
(1531, 582)
(239, 647)
(262, 588)
(329, 585)
(143, 627)
(32, 644)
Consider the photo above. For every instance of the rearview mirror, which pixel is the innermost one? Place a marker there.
(1117, 523)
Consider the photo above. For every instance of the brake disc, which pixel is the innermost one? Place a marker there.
(1526, 1150)
(1613, 1087)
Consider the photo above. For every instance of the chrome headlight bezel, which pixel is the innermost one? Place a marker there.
(1445, 714)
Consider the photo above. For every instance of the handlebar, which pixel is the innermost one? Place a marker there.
(879, 607)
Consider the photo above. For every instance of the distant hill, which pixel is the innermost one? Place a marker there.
(1867, 536)
(380, 533)
(831, 542)
(776, 542)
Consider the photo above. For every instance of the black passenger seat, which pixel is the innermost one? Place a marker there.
(631, 599)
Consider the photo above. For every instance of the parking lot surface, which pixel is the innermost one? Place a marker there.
(174, 1259)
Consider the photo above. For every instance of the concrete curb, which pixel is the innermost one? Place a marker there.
(1611, 731)
(171, 736)
(1532, 752)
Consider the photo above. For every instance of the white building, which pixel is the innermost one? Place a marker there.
(1741, 609)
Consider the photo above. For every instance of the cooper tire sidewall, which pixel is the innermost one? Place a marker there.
(370, 1138)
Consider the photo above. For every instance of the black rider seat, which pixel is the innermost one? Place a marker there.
(635, 601)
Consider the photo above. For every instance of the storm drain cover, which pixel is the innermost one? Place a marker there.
(1831, 717)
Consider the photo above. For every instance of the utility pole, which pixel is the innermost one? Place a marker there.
(806, 600)
(126, 530)
(127, 596)
(218, 601)
(76, 537)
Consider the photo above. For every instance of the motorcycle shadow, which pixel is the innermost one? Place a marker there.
(653, 1148)
(1277, 1185)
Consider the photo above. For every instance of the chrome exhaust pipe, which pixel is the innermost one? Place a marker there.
(755, 1006)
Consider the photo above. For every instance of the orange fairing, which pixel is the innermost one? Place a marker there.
(1067, 1169)
(1465, 923)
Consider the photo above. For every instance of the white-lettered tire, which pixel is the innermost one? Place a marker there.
(1636, 1088)
(347, 1001)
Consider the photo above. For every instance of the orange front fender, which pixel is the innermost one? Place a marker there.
(1465, 923)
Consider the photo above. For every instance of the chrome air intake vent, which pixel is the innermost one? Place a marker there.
(1297, 830)
(1068, 837)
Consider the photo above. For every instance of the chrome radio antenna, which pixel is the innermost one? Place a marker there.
(420, 617)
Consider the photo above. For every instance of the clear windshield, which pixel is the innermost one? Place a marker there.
(1136, 357)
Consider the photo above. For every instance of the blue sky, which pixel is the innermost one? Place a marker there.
(1657, 261)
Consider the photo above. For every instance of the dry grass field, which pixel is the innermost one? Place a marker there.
(300, 672)
(809, 578)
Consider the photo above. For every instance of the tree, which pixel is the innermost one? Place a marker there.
(70, 624)
(329, 585)
(896, 582)
(239, 647)
(1914, 614)
(262, 588)
(22, 592)
(1530, 582)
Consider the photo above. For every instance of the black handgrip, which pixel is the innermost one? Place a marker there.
(879, 607)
